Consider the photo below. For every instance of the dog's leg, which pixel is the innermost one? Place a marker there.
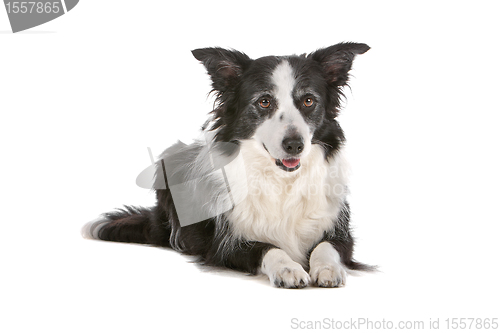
(259, 257)
(326, 267)
(283, 271)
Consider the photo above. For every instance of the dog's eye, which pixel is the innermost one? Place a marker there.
(308, 102)
(265, 103)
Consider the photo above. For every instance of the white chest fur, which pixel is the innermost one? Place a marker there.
(291, 210)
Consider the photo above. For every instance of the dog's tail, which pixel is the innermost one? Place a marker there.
(357, 266)
(130, 225)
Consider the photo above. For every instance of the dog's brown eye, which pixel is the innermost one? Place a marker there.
(308, 102)
(265, 103)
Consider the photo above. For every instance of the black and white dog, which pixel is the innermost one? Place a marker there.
(267, 192)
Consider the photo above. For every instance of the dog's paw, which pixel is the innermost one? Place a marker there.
(290, 277)
(283, 271)
(329, 276)
(326, 267)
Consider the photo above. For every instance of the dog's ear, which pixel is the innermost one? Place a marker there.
(337, 60)
(224, 66)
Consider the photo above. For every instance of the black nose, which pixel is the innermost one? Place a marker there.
(293, 145)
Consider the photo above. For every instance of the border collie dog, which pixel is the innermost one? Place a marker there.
(265, 191)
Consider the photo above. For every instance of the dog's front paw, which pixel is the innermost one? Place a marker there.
(283, 271)
(326, 267)
(290, 277)
(329, 276)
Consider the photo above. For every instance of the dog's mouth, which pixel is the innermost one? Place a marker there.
(288, 164)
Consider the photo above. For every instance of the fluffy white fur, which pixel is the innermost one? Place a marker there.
(308, 200)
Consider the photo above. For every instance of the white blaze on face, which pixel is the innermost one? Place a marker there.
(287, 119)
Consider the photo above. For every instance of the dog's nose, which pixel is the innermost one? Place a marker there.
(293, 145)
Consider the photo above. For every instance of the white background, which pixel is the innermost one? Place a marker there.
(83, 96)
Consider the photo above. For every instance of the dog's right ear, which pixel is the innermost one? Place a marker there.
(225, 67)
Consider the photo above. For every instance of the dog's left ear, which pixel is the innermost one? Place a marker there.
(337, 60)
(225, 67)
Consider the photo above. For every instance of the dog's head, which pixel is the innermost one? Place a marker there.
(284, 103)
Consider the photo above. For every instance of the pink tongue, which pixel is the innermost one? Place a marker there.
(291, 162)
